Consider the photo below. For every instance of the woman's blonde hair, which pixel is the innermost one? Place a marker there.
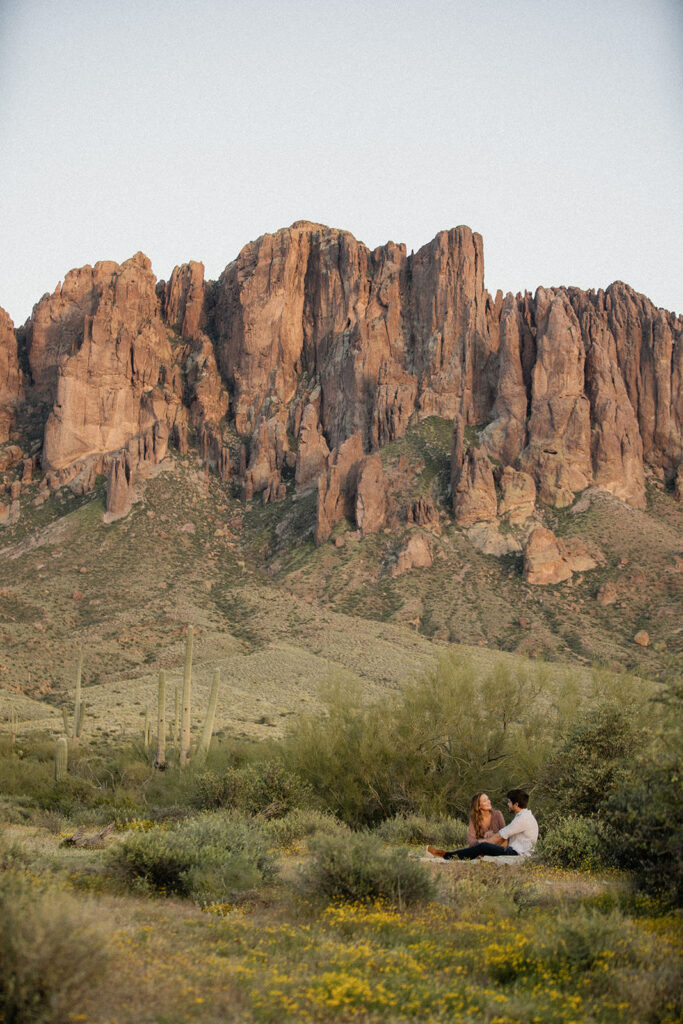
(477, 815)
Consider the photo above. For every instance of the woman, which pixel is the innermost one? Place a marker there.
(485, 820)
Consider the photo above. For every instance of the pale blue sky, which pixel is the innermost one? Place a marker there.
(185, 128)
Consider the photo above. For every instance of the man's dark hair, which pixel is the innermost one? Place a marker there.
(519, 797)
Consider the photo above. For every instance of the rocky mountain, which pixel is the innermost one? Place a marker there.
(311, 352)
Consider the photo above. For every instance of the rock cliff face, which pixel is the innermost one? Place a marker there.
(11, 382)
(108, 383)
(310, 338)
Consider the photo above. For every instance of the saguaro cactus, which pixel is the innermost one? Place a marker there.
(145, 729)
(61, 758)
(77, 723)
(187, 701)
(176, 719)
(207, 731)
(160, 759)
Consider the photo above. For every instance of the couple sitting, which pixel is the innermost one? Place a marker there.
(489, 836)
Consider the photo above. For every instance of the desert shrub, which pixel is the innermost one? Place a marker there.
(446, 736)
(575, 842)
(359, 866)
(645, 812)
(300, 823)
(12, 855)
(417, 829)
(582, 772)
(263, 787)
(209, 858)
(53, 954)
(580, 940)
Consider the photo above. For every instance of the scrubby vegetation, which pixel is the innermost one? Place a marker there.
(284, 881)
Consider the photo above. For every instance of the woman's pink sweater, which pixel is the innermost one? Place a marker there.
(497, 823)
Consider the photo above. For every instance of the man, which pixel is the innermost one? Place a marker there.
(518, 839)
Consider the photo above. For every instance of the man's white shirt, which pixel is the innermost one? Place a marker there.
(522, 833)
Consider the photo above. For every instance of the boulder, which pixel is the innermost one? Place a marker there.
(579, 557)
(545, 559)
(416, 552)
(10, 456)
(606, 594)
(488, 539)
(642, 638)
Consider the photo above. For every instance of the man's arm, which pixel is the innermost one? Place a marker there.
(497, 840)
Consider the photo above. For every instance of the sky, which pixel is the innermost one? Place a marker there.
(186, 128)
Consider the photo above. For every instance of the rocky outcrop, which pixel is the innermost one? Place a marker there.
(474, 498)
(649, 355)
(558, 454)
(506, 436)
(518, 496)
(422, 512)
(370, 496)
(328, 510)
(580, 558)
(119, 488)
(678, 483)
(545, 558)
(215, 453)
(312, 453)
(337, 487)
(108, 387)
(11, 381)
(205, 395)
(488, 539)
(415, 553)
(616, 447)
(310, 328)
(393, 406)
(183, 300)
(453, 352)
(268, 454)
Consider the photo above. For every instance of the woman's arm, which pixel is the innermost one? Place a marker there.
(471, 836)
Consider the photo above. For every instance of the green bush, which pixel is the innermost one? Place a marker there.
(262, 787)
(209, 859)
(300, 823)
(580, 775)
(53, 953)
(359, 866)
(575, 842)
(645, 812)
(416, 829)
(443, 738)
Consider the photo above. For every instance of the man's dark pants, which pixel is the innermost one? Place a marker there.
(480, 850)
